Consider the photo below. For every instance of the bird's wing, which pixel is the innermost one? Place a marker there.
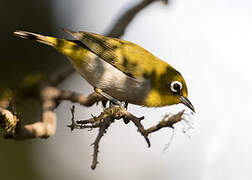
(128, 57)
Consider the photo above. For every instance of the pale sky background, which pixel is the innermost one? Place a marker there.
(209, 42)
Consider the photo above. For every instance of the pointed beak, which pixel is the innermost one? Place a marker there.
(186, 102)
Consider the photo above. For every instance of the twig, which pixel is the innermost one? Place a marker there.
(167, 121)
(137, 122)
(81, 99)
(102, 130)
(109, 115)
(72, 126)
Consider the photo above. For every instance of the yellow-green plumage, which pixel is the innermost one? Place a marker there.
(124, 55)
(136, 63)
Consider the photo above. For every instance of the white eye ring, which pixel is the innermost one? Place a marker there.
(176, 83)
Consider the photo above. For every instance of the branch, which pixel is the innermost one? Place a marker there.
(167, 121)
(122, 23)
(102, 130)
(50, 98)
(109, 115)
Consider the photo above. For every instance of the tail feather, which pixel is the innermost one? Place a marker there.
(64, 46)
(51, 41)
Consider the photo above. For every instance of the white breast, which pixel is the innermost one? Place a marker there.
(114, 82)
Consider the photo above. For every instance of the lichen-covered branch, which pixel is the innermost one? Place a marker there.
(102, 130)
(109, 115)
(167, 121)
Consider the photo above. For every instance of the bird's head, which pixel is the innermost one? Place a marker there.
(169, 88)
(178, 91)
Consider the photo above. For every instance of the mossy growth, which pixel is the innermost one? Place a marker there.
(8, 125)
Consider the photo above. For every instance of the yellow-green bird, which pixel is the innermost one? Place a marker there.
(120, 70)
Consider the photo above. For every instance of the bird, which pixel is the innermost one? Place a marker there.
(119, 70)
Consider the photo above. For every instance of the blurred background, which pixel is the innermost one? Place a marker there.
(208, 41)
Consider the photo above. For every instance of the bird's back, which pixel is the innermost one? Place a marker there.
(126, 56)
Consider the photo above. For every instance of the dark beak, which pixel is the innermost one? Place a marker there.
(186, 102)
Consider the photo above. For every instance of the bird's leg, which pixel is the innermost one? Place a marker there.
(123, 104)
(126, 105)
(111, 99)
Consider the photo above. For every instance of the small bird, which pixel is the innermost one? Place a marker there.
(120, 70)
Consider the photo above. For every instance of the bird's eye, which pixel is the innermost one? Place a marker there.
(176, 86)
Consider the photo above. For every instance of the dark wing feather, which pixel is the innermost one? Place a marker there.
(128, 57)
